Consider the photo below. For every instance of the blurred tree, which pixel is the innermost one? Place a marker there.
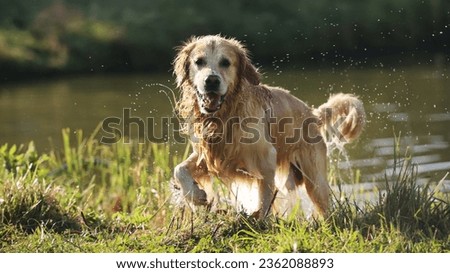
(105, 35)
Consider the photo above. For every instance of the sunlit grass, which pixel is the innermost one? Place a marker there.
(92, 197)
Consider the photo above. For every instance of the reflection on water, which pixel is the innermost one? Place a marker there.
(411, 102)
(38, 111)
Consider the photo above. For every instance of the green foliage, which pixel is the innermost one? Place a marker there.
(113, 35)
(99, 198)
(34, 204)
(54, 37)
(14, 159)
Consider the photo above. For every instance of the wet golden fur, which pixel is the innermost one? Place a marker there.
(263, 174)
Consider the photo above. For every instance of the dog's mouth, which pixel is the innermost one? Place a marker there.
(210, 102)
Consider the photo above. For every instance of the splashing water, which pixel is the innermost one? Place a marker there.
(338, 154)
(165, 90)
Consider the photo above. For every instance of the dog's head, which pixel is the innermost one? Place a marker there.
(213, 67)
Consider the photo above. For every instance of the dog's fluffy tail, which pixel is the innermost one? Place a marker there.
(342, 116)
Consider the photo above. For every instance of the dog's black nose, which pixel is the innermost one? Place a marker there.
(212, 83)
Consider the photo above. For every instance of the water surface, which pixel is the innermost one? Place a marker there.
(412, 102)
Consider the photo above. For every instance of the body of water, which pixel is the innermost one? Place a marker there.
(410, 102)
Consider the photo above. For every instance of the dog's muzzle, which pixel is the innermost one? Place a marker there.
(211, 99)
(210, 102)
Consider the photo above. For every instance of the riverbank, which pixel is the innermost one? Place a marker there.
(96, 198)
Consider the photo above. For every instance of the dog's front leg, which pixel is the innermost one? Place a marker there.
(184, 174)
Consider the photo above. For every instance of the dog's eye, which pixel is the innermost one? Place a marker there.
(224, 63)
(200, 62)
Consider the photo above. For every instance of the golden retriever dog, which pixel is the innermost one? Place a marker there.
(260, 141)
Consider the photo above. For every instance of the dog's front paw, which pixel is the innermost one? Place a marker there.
(192, 193)
(197, 196)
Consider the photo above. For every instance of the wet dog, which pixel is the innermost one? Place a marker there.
(259, 140)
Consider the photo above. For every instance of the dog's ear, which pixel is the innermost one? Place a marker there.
(181, 62)
(246, 69)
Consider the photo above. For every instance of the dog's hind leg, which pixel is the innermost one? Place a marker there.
(313, 163)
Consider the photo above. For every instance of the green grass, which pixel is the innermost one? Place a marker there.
(96, 198)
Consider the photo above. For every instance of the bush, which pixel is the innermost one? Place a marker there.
(100, 35)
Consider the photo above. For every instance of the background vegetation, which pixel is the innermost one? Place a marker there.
(49, 36)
